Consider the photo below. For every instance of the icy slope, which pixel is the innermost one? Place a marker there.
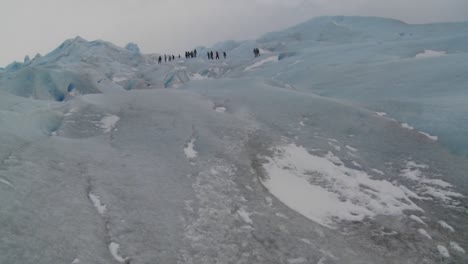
(322, 150)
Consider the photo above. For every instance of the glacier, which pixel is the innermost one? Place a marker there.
(344, 142)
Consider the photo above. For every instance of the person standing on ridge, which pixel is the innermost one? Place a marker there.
(208, 54)
(165, 58)
(173, 57)
(211, 54)
(224, 54)
(257, 52)
(195, 53)
(159, 60)
(217, 55)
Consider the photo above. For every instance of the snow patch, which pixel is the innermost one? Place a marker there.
(326, 191)
(100, 207)
(378, 171)
(424, 233)
(446, 226)
(435, 138)
(260, 63)
(435, 188)
(282, 216)
(332, 158)
(114, 250)
(76, 261)
(351, 148)
(6, 182)
(405, 125)
(108, 123)
(245, 216)
(437, 182)
(443, 251)
(456, 247)
(190, 153)
(220, 109)
(443, 195)
(412, 171)
(381, 114)
(297, 260)
(337, 148)
(417, 219)
(430, 54)
(410, 193)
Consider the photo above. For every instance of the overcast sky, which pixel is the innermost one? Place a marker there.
(32, 26)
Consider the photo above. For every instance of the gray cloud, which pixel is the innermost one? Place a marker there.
(31, 26)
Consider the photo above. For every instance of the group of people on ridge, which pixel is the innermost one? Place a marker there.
(166, 58)
(191, 54)
(210, 55)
